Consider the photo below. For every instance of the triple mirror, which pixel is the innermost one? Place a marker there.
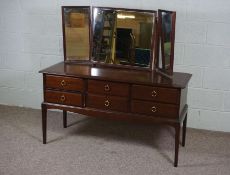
(119, 37)
(123, 37)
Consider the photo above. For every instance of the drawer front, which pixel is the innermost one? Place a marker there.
(154, 109)
(65, 98)
(64, 83)
(109, 88)
(107, 102)
(159, 94)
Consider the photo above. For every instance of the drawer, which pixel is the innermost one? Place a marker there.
(65, 98)
(154, 109)
(159, 94)
(107, 102)
(64, 83)
(109, 88)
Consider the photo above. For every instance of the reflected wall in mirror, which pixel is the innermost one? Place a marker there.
(76, 30)
(123, 37)
(166, 38)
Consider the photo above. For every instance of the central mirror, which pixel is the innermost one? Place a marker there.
(123, 36)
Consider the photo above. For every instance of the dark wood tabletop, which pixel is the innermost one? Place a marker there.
(178, 80)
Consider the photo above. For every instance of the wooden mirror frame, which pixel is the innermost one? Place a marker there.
(64, 34)
(160, 46)
(153, 41)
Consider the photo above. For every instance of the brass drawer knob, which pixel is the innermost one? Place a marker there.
(106, 103)
(62, 98)
(154, 93)
(107, 87)
(63, 83)
(153, 109)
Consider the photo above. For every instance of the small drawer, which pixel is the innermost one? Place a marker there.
(109, 88)
(65, 98)
(159, 94)
(64, 83)
(154, 109)
(107, 102)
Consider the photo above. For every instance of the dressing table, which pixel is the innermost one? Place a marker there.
(118, 64)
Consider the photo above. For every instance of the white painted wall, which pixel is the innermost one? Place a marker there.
(31, 39)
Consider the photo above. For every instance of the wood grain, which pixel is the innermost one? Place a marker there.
(66, 98)
(64, 83)
(155, 109)
(108, 87)
(167, 95)
(107, 102)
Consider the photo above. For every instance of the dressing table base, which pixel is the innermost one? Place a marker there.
(177, 125)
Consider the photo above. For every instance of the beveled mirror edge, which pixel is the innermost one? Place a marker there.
(64, 37)
(167, 73)
(155, 46)
(128, 9)
(153, 41)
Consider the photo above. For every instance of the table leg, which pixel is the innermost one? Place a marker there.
(184, 130)
(177, 141)
(44, 122)
(64, 119)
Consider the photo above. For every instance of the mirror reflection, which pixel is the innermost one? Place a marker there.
(161, 64)
(166, 31)
(76, 32)
(122, 37)
(166, 40)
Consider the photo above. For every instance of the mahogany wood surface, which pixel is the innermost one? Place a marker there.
(167, 95)
(64, 119)
(177, 142)
(113, 103)
(73, 99)
(184, 130)
(107, 87)
(155, 109)
(64, 83)
(116, 115)
(119, 94)
(178, 80)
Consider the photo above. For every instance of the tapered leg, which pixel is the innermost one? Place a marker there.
(64, 119)
(177, 141)
(184, 130)
(44, 122)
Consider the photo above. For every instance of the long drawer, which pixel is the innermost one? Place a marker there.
(64, 83)
(65, 98)
(158, 94)
(109, 88)
(155, 109)
(107, 102)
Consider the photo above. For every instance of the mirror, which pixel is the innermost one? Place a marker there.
(123, 36)
(76, 30)
(166, 37)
